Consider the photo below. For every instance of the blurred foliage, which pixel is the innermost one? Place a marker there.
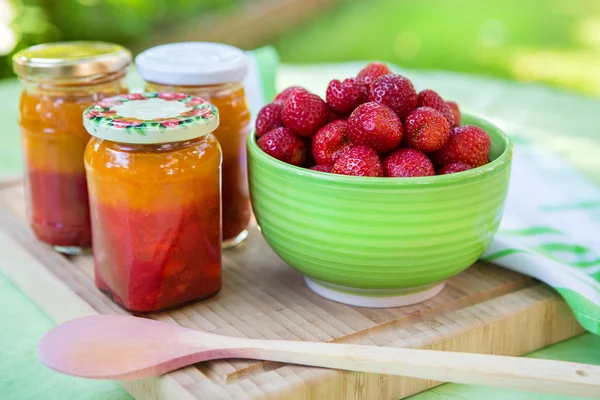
(119, 21)
(550, 41)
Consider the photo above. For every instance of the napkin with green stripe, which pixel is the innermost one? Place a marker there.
(551, 230)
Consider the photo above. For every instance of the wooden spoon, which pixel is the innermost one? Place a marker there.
(123, 348)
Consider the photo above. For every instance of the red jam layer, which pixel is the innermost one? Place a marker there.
(148, 261)
(59, 208)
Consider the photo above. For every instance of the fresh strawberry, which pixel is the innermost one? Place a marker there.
(330, 141)
(282, 144)
(282, 97)
(453, 168)
(371, 72)
(375, 125)
(268, 118)
(358, 161)
(322, 168)
(343, 97)
(304, 113)
(468, 144)
(396, 92)
(406, 163)
(429, 98)
(455, 112)
(426, 129)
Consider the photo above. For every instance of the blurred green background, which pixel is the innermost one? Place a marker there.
(556, 42)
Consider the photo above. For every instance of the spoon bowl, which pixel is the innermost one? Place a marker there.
(124, 348)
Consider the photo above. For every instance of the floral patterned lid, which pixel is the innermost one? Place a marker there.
(144, 118)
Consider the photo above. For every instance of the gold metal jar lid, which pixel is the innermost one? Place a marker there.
(71, 61)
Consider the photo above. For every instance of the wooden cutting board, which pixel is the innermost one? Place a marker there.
(485, 309)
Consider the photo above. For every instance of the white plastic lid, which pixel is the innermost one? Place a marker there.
(146, 118)
(192, 63)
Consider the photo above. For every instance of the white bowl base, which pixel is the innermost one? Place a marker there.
(374, 298)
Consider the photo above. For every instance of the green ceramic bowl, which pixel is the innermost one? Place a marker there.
(379, 242)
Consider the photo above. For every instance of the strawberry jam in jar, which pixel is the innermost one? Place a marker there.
(154, 179)
(214, 72)
(59, 81)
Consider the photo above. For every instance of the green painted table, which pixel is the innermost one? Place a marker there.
(560, 121)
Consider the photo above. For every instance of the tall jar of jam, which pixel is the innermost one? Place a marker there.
(214, 72)
(59, 81)
(154, 179)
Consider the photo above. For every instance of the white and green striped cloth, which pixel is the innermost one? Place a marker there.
(551, 224)
(551, 230)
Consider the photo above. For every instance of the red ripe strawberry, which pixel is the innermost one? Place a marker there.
(406, 163)
(358, 161)
(330, 141)
(282, 144)
(268, 118)
(371, 72)
(468, 144)
(304, 113)
(343, 97)
(455, 112)
(426, 129)
(453, 168)
(375, 125)
(396, 92)
(322, 168)
(429, 98)
(282, 97)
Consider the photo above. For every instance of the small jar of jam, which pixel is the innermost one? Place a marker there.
(154, 179)
(59, 81)
(214, 72)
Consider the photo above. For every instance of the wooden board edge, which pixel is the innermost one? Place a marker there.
(38, 283)
(45, 289)
(8, 181)
(166, 387)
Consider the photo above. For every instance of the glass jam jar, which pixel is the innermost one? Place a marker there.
(214, 72)
(59, 81)
(154, 179)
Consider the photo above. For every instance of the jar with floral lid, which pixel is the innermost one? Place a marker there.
(215, 72)
(154, 179)
(59, 81)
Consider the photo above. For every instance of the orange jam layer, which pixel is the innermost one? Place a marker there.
(53, 142)
(234, 125)
(52, 129)
(156, 221)
(139, 177)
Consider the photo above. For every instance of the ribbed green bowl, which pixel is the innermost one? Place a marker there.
(379, 241)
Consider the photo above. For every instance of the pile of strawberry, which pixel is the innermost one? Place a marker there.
(373, 125)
